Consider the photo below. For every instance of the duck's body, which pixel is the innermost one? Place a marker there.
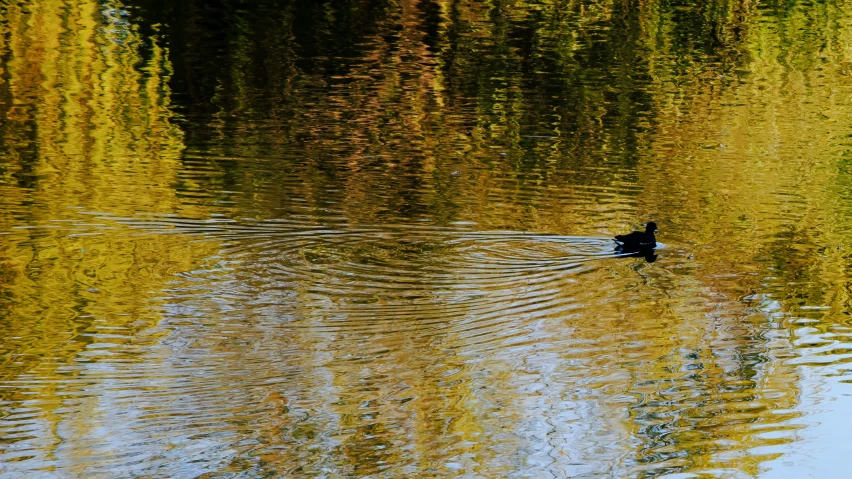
(638, 239)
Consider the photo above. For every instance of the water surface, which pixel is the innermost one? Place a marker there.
(372, 239)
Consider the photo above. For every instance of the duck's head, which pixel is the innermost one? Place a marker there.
(650, 228)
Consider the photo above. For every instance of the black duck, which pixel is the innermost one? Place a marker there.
(638, 240)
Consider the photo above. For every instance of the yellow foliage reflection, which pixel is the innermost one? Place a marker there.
(87, 137)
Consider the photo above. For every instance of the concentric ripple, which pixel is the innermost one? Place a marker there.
(305, 343)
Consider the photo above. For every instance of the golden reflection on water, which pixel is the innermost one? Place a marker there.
(378, 244)
(86, 128)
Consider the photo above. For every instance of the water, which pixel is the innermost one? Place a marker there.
(372, 239)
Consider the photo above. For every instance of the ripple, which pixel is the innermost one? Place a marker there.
(292, 244)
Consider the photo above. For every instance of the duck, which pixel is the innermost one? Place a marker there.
(638, 240)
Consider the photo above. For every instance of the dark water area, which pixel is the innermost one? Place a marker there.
(373, 239)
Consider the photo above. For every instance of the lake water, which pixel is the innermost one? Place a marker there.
(373, 239)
